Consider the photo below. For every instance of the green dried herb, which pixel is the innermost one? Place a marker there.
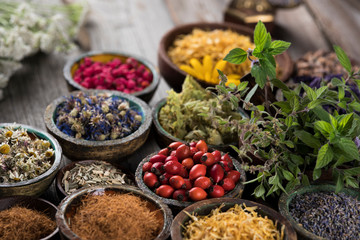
(196, 114)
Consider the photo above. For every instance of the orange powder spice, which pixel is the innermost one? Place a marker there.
(20, 223)
(118, 216)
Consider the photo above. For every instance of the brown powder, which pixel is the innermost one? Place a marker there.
(24, 224)
(119, 216)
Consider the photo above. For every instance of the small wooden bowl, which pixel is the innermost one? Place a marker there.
(175, 76)
(39, 184)
(165, 138)
(175, 204)
(37, 204)
(204, 207)
(105, 56)
(61, 191)
(69, 204)
(285, 200)
(108, 150)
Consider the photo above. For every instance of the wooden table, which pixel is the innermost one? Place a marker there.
(136, 26)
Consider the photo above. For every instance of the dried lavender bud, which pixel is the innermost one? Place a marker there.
(328, 215)
(22, 157)
(98, 117)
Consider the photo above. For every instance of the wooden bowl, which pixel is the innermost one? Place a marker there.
(285, 200)
(165, 138)
(175, 204)
(105, 56)
(37, 204)
(69, 204)
(204, 207)
(59, 187)
(39, 184)
(175, 76)
(108, 150)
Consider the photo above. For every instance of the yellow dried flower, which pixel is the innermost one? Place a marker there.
(8, 134)
(49, 153)
(5, 148)
(207, 72)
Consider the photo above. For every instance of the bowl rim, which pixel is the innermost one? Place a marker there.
(285, 199)
(25, 199)
(51, 126)
(220, 25)
(153, 85)
(42, 135)
(155, 118)
(238, 190)
(71, 165)
(65, 229)
(175, 230)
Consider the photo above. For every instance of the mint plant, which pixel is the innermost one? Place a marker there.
(301, 137)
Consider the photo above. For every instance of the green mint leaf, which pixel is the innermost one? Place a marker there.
(274, 180)
(267, 42)
(350, 181)
(260, 35)
(259, 75)
(341, 92)
(232, 86)
(259, 191)
(355, 106)
(268, 68)
(274, 188)
(294, 103)
(352, 171)
(308, 139)
(250, 94)
(346, 123)
(348, 148)
(324, 127)
(285, 106)
(257, 53)
(242, 86)
(278, 47)
(339, 184)
(279, 84)
(270, 58)
(343, 58)
(298, 160)
(305, 180)
(309, 91)
(316, 174)
(333, 121)
(236, 56)
(282, 188)
(321, 113)
(336, 82)
(324, 157)
(223, 78)
(287, 175)
(222, 89)
(320, 91)
(315, 103)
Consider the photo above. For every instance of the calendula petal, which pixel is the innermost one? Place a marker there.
(189, 70)
(234, 76)
(195, 63)
(219, 65)
(207, 77)
(208, 64)
(232, 80)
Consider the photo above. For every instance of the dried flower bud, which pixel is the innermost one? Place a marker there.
(138, 118)
(4, 148)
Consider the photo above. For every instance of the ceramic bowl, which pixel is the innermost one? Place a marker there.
(59, 186)
(69, 204)
(39, 184)
(175, 204)
(285, 200)
(105, 56)
(175, 76)
(108, 150)
(36, 204)
(165, 138)
(204, 208)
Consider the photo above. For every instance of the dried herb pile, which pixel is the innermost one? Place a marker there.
(22, 157)
(20, 223)
(238, 222)
(99, 173)
(118, 216)
(328, 215)
(97, 117)
(186, 115)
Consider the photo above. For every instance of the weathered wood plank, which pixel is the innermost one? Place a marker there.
(340, 22)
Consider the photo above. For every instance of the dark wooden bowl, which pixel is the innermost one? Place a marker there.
(165, 138)
(285, 200)
(204, 207)
(39, 184)
(37, 204)
(175, 76)
(69, 204)
(175, 204)
(61, 191)
(108, 150)
(105, 56)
